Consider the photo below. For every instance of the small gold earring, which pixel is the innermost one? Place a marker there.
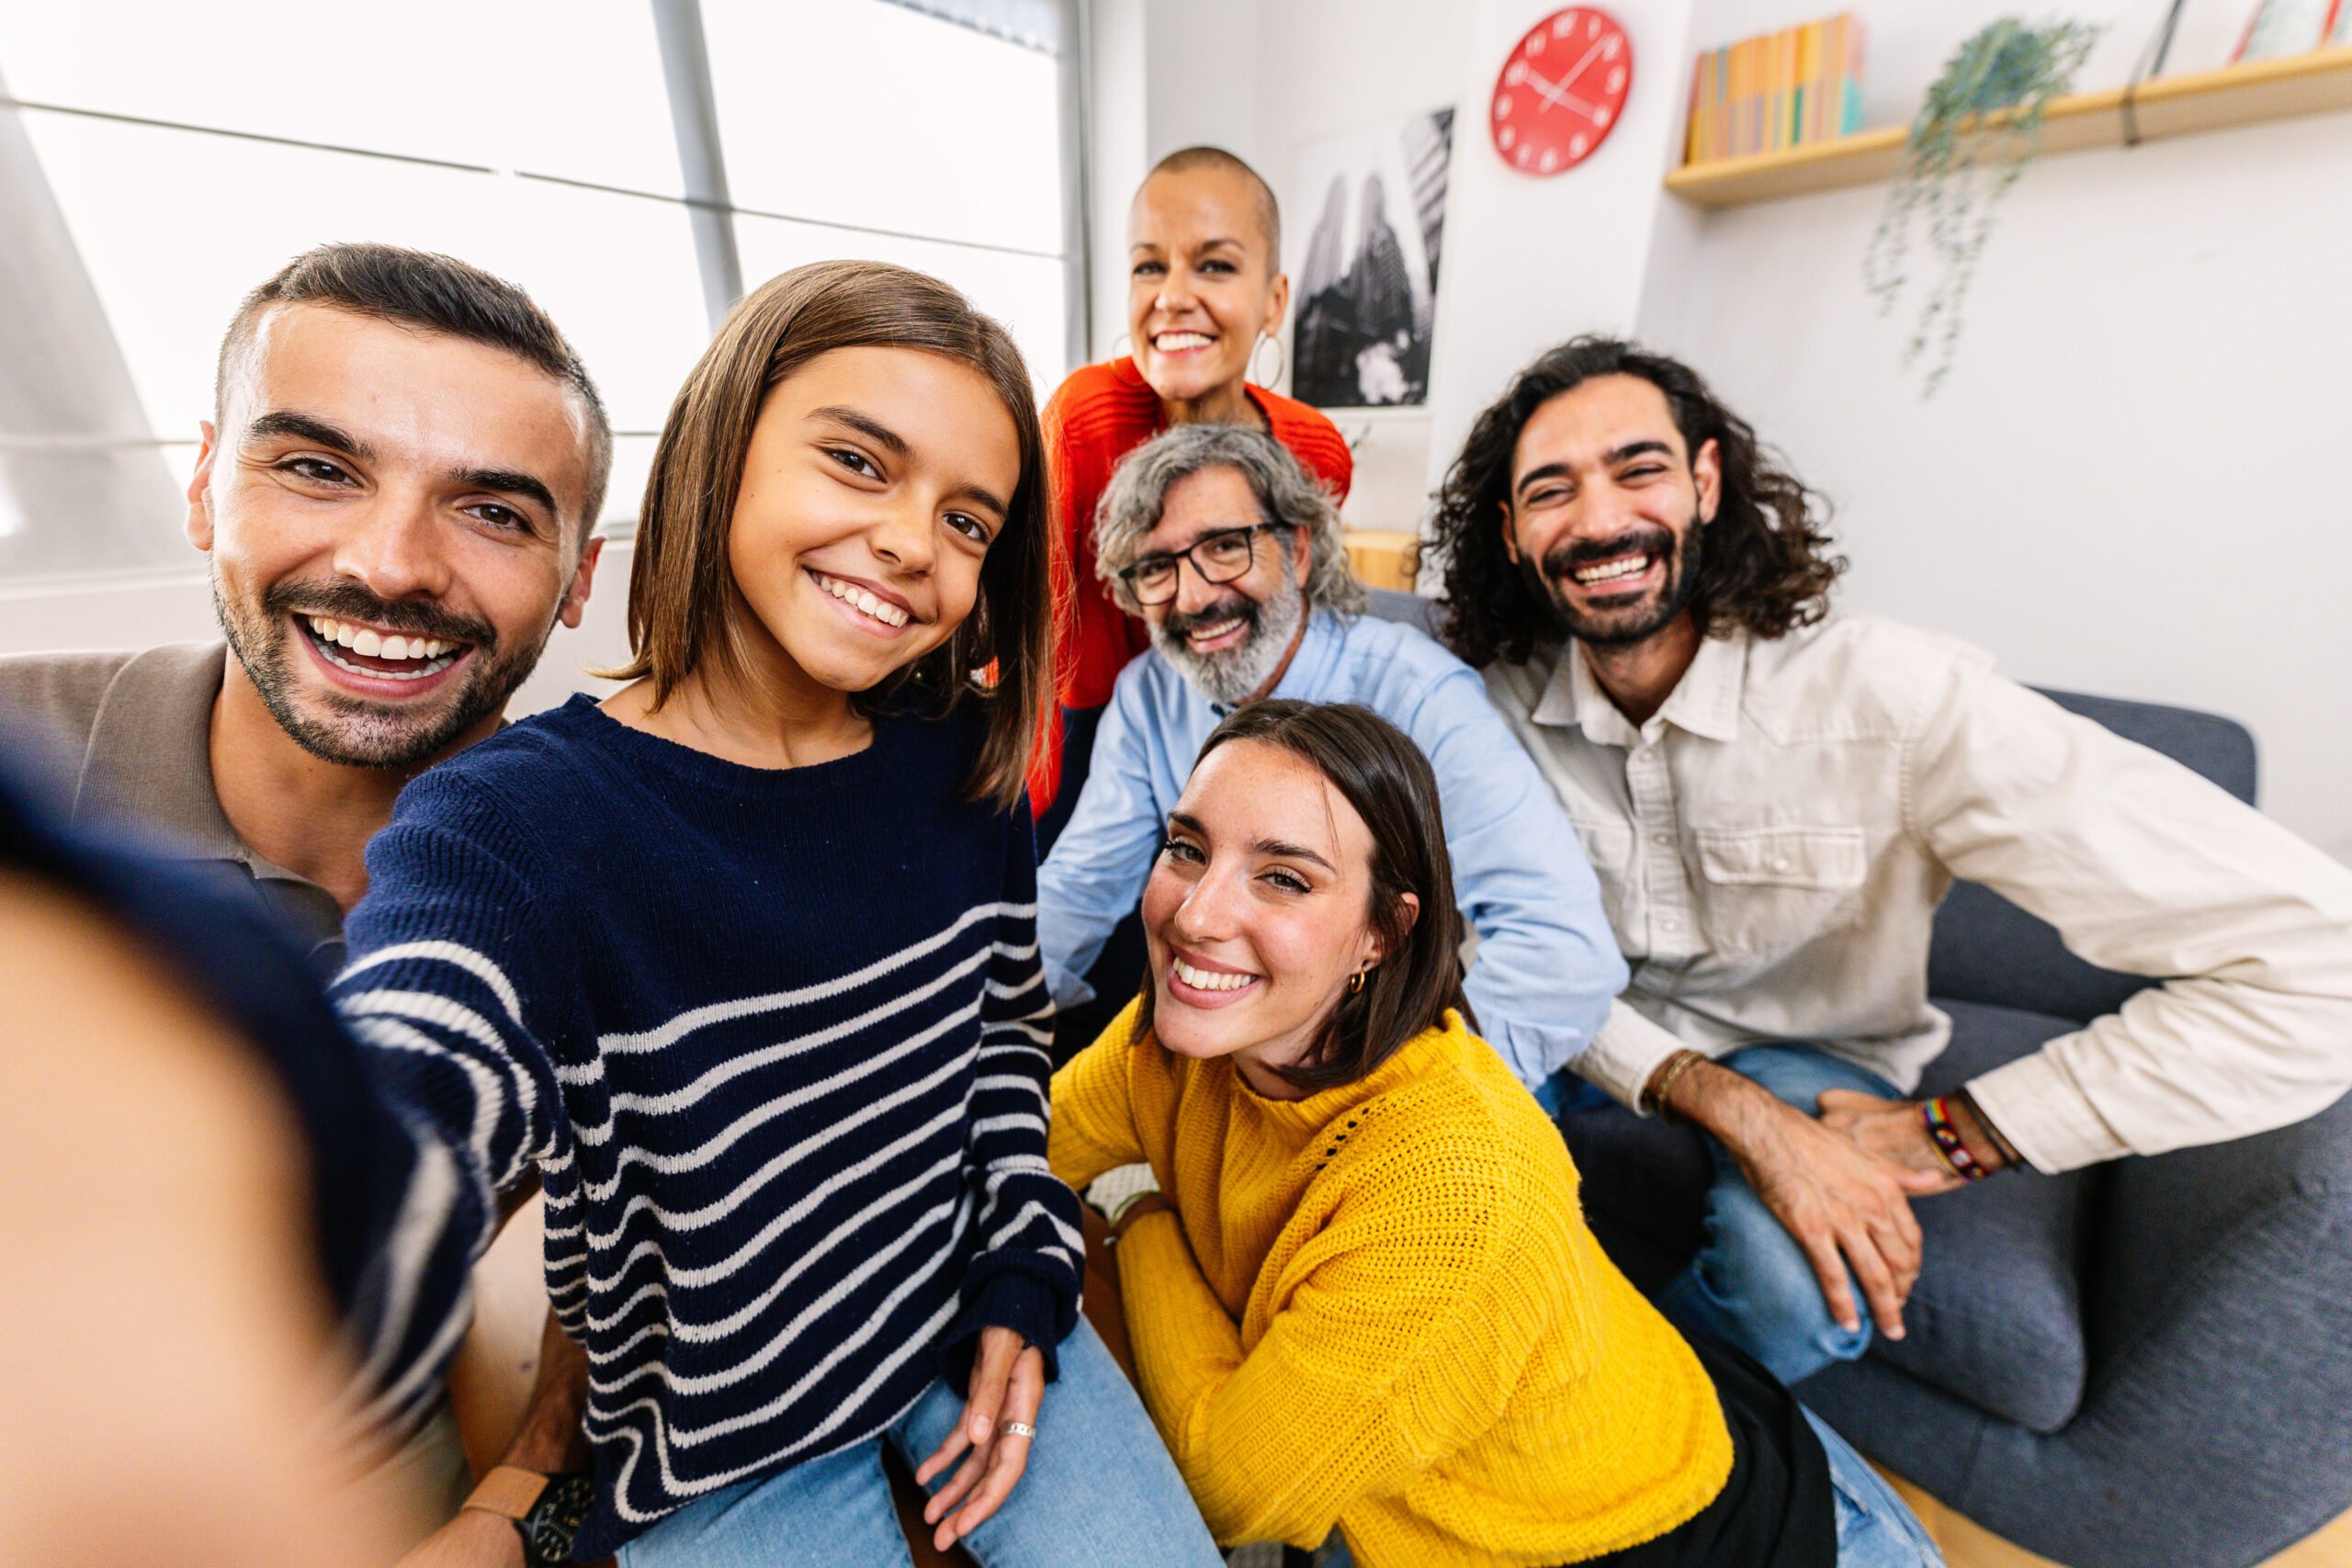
(1355, 981)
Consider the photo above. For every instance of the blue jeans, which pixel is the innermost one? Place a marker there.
(1100, 1488)
(1751, 1285)
(1876, 1528)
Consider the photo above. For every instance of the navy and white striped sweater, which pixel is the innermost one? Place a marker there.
(775, 1041)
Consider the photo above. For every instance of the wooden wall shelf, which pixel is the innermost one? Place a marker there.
(2171, 106)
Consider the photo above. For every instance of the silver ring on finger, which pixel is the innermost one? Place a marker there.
(1018, 1429)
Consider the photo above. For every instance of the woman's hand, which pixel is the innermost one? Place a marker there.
(1008, 1382)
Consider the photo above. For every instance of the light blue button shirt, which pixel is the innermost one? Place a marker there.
(1546, 965)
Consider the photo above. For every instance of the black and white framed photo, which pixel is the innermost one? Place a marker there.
(1364, 296)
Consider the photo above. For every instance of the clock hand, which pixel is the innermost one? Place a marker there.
(1555, 95)
(1577, 69)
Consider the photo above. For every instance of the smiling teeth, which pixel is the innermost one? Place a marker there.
(1209, 981)
(1612, 570)
(1176, 343)
(857, 598)
(377, 645)
(1210, 633)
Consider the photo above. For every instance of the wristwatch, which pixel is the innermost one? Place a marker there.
(546, 1509)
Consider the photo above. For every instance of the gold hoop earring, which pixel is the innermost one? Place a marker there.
(1126, 338)
(1355, 981)
(1282, 361)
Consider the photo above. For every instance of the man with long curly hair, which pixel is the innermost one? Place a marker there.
(1775, 799)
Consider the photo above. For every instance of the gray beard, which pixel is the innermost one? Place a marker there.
(1232, 677)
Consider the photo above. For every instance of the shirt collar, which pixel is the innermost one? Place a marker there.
(150, 761)
(1705, 702)
(150, 757)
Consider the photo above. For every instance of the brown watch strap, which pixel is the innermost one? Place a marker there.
(508, 1492)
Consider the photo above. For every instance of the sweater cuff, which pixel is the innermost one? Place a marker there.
(1007, 1299)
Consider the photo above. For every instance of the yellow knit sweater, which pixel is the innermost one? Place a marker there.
(1380, 1307)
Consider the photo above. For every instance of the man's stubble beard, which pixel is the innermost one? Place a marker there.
(1235, 675)
(364, 734)
(1681, 586)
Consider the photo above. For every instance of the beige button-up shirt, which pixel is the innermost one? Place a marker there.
(1773, 843)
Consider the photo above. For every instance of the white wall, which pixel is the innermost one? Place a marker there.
(1526, 261)
(1331, 67)
(2132, 481)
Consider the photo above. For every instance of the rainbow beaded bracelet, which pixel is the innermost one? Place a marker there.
(1937, 1116)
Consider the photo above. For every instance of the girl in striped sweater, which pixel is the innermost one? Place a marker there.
(743, 961)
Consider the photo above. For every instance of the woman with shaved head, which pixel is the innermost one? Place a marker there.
(1205, 289)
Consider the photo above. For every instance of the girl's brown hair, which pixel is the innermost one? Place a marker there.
(679, 588)
(1379, 770)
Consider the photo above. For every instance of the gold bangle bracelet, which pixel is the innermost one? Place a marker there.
(1661, 1102)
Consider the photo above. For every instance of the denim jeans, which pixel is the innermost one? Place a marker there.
(1876, 1528)
(1100, 1488)
(1751, 1285)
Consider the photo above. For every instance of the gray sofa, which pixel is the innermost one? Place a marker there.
(2146, 1363)
(2143, 1365)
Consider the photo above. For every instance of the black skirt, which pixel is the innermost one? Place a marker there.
(1777, 1511)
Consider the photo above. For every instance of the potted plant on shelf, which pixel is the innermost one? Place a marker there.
(1973, 138)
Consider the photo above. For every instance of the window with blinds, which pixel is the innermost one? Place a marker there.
(633, 163)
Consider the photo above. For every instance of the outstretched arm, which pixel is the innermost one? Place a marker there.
(2146, 868)
(451, 988)
(159, 1274)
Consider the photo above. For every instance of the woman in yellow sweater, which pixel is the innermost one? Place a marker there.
(1368, 1297)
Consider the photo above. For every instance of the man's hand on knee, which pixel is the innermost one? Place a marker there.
(1894, 1130)
(1847, 1207)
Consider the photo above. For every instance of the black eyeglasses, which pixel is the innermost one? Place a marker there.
(1218, 558)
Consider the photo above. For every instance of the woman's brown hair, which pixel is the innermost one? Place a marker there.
(1378, 770)
(680, 587)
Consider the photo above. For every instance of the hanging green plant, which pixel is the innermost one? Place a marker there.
(1981, 125)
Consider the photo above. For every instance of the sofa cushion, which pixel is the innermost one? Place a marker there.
(1996, 1316)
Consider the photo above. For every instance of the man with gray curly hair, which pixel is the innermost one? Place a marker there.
(1232, 646)
(1233, 558)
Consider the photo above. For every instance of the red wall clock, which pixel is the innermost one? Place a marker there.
(1561, 92)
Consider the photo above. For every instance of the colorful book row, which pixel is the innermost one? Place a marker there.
(1778, 90)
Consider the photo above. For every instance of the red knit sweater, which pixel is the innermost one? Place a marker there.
(1098, 416)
